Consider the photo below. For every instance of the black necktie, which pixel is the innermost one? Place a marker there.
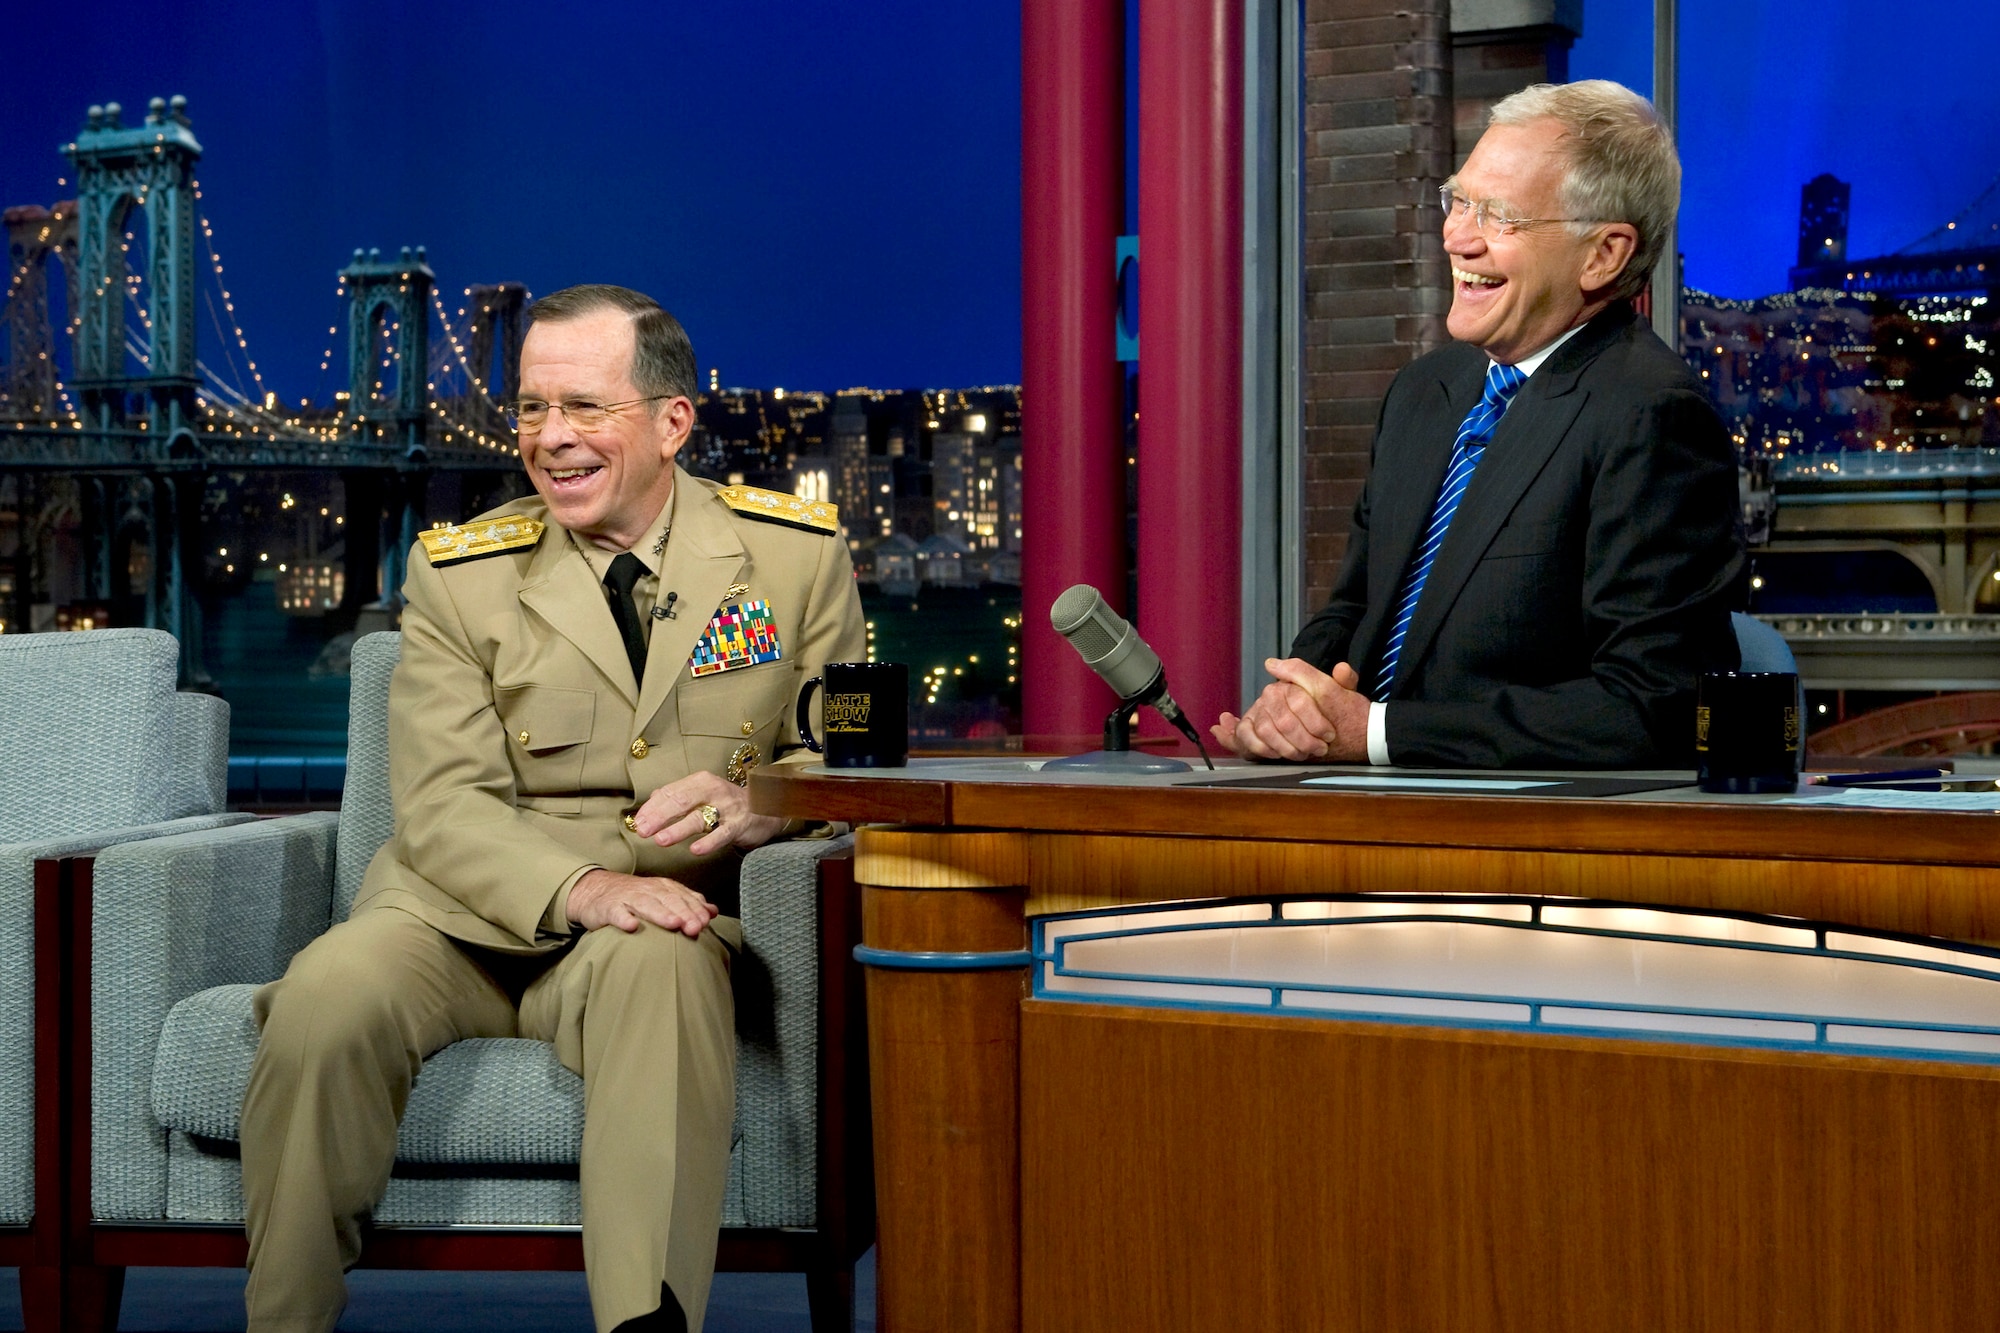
(618, 580)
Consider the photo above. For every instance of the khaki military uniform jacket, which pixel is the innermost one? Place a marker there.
(518, 743)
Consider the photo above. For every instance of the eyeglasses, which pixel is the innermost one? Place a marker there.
(528, 415)
(1487, 219)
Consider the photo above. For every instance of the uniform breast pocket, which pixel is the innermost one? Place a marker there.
(730, 708)
(548, 733)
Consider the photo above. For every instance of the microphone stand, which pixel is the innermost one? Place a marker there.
(1118, 752)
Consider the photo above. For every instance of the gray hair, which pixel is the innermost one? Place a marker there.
(662, 356)
(1622, 163)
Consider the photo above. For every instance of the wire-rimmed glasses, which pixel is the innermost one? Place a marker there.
(527, 416)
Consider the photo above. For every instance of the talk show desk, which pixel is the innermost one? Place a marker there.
(1052, 1165)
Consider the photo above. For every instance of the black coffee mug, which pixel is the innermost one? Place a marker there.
(865, 715)
(1746, 731)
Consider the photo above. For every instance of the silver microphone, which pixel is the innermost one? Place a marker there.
(1113, 649)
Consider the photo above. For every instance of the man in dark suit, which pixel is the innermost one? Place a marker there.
(1545, 552)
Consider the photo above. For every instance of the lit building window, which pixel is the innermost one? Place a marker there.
(310, 587)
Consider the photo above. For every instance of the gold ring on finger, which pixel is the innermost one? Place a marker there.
(710, 817)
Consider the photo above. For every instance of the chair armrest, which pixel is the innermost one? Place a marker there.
(17, 993)
(170, 917)
(201, 753)
(777, 1024)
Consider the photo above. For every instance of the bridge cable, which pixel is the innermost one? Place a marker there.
(1952, 224)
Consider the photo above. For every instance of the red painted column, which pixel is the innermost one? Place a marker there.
(1190, 346)
(1072, 387)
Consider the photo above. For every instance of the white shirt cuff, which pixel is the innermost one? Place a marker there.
(1378, 732)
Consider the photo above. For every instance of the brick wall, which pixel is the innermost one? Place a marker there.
(1378, 144)
(1488, 67)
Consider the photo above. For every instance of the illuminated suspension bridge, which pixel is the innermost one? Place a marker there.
(143, 416)
(1961, 257)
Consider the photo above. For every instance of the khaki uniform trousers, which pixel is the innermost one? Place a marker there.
(647, 1019)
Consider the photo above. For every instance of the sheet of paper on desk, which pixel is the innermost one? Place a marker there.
(1392, 783)
(1900, 800)
(1429, 784)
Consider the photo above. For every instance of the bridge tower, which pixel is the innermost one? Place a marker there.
(389, 347)
(496, 310)
(148, 167)
(388, 388)
(34, 235)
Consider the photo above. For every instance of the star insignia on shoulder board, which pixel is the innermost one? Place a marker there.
(451, 543)
(790, 510)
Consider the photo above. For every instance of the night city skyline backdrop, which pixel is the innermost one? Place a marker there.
(828, 195)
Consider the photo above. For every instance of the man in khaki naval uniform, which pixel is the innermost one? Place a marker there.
(567, 833)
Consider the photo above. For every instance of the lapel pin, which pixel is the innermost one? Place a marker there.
(661, 544)
(736, 590)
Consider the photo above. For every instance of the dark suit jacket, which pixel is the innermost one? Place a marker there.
(1586, 580)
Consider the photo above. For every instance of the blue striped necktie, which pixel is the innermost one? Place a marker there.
(1501, 384)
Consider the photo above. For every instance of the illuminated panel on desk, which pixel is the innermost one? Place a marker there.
(1164, 924)
(1536, 964)
(1445, 907)
(1697, 925)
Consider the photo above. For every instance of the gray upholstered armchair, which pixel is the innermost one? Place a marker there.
(96, 748)
(182, 930)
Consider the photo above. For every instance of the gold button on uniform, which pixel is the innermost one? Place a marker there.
(524, 737)
(640, 749)
(631, 823)
(749, 727)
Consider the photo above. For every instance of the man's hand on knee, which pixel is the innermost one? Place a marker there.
(608, 898)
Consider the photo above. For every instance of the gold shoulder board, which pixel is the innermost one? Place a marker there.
(812, 515)
(455, 542)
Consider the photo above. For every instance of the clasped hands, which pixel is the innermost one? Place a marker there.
(1302, 715)
(672, 814)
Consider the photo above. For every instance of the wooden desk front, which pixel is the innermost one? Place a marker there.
(1048, 1165)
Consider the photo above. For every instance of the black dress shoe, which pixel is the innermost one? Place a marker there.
(667, 1319)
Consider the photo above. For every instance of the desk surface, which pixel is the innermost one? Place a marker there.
(1014, 793)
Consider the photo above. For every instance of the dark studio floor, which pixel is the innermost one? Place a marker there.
(210, 1300)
